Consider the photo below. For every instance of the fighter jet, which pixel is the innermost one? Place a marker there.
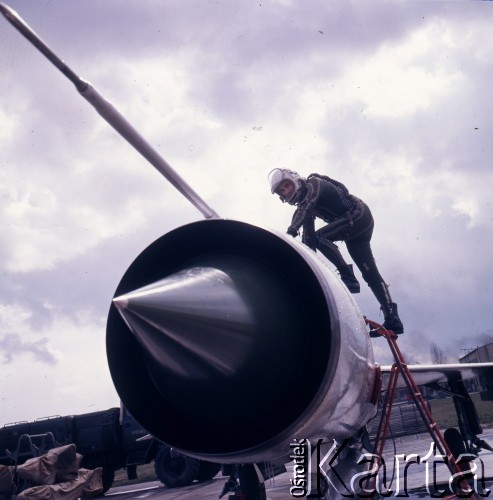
(236, 344)
(245, 343)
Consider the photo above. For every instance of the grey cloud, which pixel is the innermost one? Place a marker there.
(243, 75)
(12, 345)
(224, 41)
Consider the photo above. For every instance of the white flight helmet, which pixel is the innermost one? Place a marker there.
(278, 175)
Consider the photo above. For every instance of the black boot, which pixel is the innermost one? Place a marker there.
(392, 320)
(348, 278)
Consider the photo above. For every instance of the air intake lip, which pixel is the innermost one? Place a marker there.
(219, 337)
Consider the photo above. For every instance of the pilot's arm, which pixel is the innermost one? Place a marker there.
(304, 212)
(308, 237)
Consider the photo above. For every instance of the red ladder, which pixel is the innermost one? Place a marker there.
(400, 367)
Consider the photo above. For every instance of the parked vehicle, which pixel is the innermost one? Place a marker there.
(111, 439)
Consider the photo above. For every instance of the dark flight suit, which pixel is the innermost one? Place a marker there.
(348, 219)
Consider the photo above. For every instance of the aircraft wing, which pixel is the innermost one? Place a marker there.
(427, 374)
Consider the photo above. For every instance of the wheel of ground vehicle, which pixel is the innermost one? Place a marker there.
(457, 446)
(207, 470)
(454, 441)
(175, 470)
(108, 477)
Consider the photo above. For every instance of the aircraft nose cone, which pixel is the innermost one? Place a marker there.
(213, 330)
(195, 323)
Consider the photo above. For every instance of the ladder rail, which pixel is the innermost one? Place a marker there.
(400, 367)
(384, 424)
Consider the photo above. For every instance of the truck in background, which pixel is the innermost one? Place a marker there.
(111, 439)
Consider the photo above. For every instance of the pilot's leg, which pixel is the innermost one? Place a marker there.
(362, 255)
(330, 250)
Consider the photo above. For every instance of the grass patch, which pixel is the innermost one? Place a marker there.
(443, 411)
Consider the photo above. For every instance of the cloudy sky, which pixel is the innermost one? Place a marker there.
(391, 98)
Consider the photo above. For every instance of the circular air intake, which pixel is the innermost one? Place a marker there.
(218, 337)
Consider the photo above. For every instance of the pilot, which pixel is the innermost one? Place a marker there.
(347, 219)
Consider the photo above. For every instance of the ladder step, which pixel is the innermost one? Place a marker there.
(400, 367)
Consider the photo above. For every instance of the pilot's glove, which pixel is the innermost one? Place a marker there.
(292, 231)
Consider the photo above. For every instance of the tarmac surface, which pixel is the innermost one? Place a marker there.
(420, 477)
